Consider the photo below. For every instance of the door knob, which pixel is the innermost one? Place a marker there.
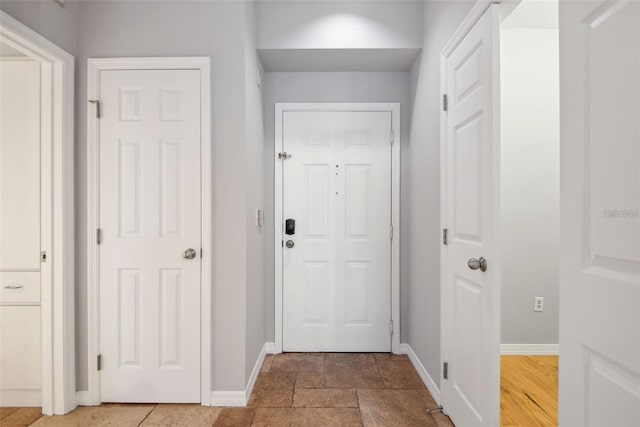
(478, 263)
(289, 244)
(189, 254)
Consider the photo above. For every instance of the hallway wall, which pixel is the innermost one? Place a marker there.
(441, 18)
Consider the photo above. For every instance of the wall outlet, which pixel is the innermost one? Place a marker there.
(538, 304)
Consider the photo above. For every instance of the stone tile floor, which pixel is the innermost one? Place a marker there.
(293, 389)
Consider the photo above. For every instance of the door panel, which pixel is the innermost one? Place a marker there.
(149, 215)
(471, 336)
(600, 201)
(337, 187)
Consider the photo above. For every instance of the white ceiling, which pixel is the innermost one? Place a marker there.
(336, 60)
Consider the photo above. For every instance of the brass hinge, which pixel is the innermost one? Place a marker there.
(99, 362)
(445, 370)
(445, 237)
(99, 236)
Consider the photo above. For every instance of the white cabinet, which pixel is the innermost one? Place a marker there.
(20, 240)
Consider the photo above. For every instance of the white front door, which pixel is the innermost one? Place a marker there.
(149, 136)
(471, 335)
(600, 213)
(337, 189)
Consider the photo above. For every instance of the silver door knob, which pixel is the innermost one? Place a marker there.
(289, 244)
(478, 263)
(189, 254)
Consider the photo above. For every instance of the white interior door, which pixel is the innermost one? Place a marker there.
(337, 188)
(600, 213)
(471, 336)
(149, 215)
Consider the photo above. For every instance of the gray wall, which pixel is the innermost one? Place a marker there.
(327, 87)
(255, 337)
(530, 167)
(183, 28)
(441, 18)
(46, 17)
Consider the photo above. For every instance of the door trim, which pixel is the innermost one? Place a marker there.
(95, 66)
(394, 108)
(57, 187)
(476, 12)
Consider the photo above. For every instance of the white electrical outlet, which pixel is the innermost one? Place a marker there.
(538, 304)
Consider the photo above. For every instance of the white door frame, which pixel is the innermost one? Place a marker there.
(476, 12)
(95, 66)
(57, 198)
(394, 109)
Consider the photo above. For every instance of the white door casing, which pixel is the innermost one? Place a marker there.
(149, 133)
(470, 207)
(337, 187)
(599, 213)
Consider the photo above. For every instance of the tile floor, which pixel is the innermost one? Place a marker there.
(293, 389)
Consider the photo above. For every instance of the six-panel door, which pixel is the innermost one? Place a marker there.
(337, 188)
(149, 215)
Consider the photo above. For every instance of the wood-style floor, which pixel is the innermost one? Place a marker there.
(529, 391)
(293, 389)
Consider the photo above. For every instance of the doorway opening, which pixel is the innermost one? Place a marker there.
(37, 220)
(529, 213)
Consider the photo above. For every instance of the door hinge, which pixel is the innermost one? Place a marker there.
(390, 327)
(392, 136)
(99, 362)
(445, 102)
(99, 236)
(445, 370)
(391, 232)
(284, 155)
(201, 251)
(445, 237)
(98, 107)
(43, 256)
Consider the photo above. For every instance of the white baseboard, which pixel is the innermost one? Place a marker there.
(530, 349)
(241, 398)
(82, 398)
(270, 347)
(422, 371)
(28, 398)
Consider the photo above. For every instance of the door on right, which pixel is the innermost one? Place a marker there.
(599, 213)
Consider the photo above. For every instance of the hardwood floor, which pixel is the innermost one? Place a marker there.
(529, 391)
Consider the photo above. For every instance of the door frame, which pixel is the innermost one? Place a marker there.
(94, 67)
(476, 12)
(57, 217)
(394, 109)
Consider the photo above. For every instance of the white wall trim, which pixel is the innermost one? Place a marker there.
(241, 398)
(57, 274)
(394, 108)
(82, 398)
(270, 347)
(530, 349)
(95, 66)
(422, 371)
